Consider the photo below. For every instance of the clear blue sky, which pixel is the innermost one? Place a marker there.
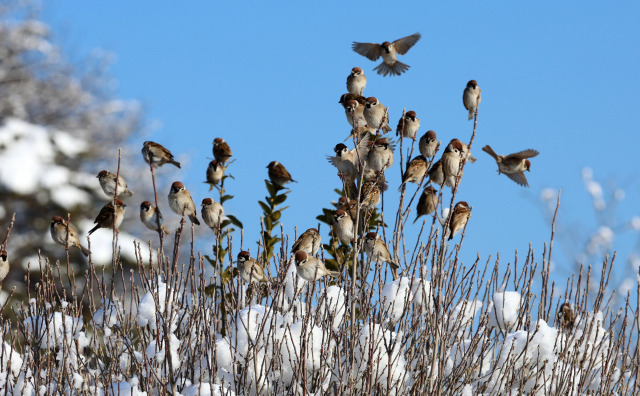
(266, 76)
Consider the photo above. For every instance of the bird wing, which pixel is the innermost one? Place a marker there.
(529, 153)
(332, 160)
(519, 178)
(369, 50)
(404, 44)
(363, 148)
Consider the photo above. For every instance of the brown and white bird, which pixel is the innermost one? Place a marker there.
(278, 174)
(428, 144)
(354, 112)
(212, 213)
(380, 156)
(310, 268)
(378, 251)
(108, 183)
(110, 216)
(376, 115)
(4, 265)
(428, 202)
(451, 162)
(390, 64)
(459, 218)
(471, 97)
(151, 217)
(342, 226)
(408, 125)
(215, 172)
(350, 206)
(59, 228)
(249, 269)
(466, 153)
(221, 151)
(436, 174)
(415, 171)
(345, 98)
(513, 165)
(370, 194)
(158, 153)
(356, 81)
(309, 242)
(566, 316)
(348, 162)
(181, 203)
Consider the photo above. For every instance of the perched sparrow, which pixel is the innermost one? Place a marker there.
(109, 217)
(310, 268)
(471, 97)
(370, 194)
(436, 174)
(349, 206)
(408, 125)
(451, 162)
(380, 156)
(428, 144)
(159, 154)
(354, 113)
(58, 230)
(278, 174)
(180, 201)
(221, 151)
(466, 153)
(212, 213)
(249, 269)
(108, 183)
(376, 115)
(513, 165)
(459, 218)
(428, 202)
(215, 171)
(348, 162)
(309, 242)
(377, 250)
(344, 98)
(566, 316)
(4, 265)
(343, 227)
(150, 216)
(388, 51)
(356, 81)
(415, 171)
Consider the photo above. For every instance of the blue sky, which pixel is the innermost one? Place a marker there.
(267, 77)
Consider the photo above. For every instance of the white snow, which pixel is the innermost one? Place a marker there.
(503, 313)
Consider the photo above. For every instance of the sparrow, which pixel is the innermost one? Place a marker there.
(249, 269)
(212, 213)
(436, 174)
(310, 268)
(221, 151)
(344, 98)
(278, 174)
(380, 156)
(150, 215)
(108, 183)
(58, 230)
(356, 81)
(309, 242)
(415, 171)
(160, 154)
(349, 206)
(180, 200)
(451, 162)
(342, 226)
(408, 125)
(566, 316)
(355, 116)
(428, 144)
(376, 115)
(4, 265)
(377, 250)
(513, 165)
(388, 51)
(215, 172)
(428, 202)
(471, 97)
(370, 194)
(459, 218)
(348, 162)
(109, 217)
(466, 153)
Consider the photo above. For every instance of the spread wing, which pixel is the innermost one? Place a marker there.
(370, 50)
(404, 44)
(519, 178)
(332, 160)
(363, 148)
(529, 153)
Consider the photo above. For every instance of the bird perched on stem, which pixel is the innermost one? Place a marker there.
(215, 172)
(459, 218)
(415, 171)
(375, 113)
(513, 165)
(159, 153)
(348, 162)
(278, 174)
(4, 265)
(221, 151)
(249, 269)
(428, 144)
(342, 226)
(390, 64)
(408, 125)
(310, 268)
(356, 81)
(378, 251)
(428, 202)
(151, 217)
(59, 229)
(212, 213)
(110, 216)
(471, 97)
(181, 203)
(309, 241)
(108, 183)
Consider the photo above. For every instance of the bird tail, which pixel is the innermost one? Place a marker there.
(194, 219)
(402, 185)
(126, 193)
(387, 128)
(165, 230)
(395, 70)
(176, 163)
(91, 231)
(352, 190)
(487, 149)
(471, 114)
(335, 274)
(84, 250)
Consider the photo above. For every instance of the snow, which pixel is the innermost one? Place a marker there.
(334, 306)
(147, 306)
(503, 312)
(382, 349)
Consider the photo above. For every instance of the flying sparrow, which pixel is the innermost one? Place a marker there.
(108, 183)
(348, 162)
(415, 171)
(370, 194)
(380, 156)
(378, 251)
(451, 162)
(309, 242)
(4, 265)
(356, 81)
(278, 174)
(215, 172)
(58, 230)
(109, 217)
(212, 213)
(428, 202)
(390, 64)
(249, 269)
(180, 201)
(408, 125)
(459, 218)
(150, 216)
(513, 165)
(428, 144)
(160, 154)
(436, 174)
(376, 115)
(471, 97)
(310, 268)
(221, 151)
(343, 227)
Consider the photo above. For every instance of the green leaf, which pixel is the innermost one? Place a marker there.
(339, 192)
(265, 208)
(273, 241)
(209, 290)
(225, 223)
(235, 221)
(276, 215)
(280, 199)
(225, 198)
(272, 188)
(332, 264)
(268, 223)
